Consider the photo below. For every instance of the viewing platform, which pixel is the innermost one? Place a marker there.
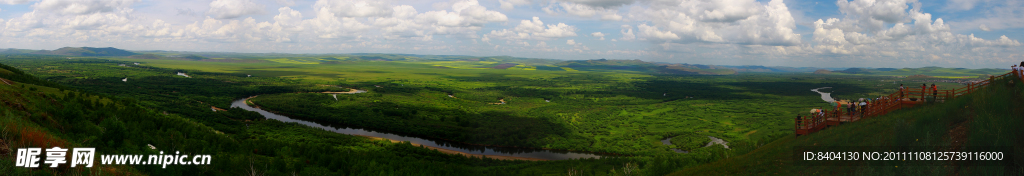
(908, 97)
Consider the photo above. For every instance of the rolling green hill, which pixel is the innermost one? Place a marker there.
(991, 117)
(86, 51)
(638, 65)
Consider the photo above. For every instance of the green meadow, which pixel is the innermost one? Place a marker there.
(598, 110)
(495, 101)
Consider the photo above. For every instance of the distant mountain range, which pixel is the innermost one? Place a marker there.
(596, 64)
(638, 65)
(74, 51)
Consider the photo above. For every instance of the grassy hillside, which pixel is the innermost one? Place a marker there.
(991, 117)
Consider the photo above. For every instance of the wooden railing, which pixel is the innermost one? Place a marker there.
(906, 98)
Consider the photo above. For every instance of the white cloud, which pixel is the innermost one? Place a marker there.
(919, 40)
(582, 10)
(888, 32)
(511, 4)
(598, 35)
(652, 33)
(83, 6)
(872, 14)
(328, 25)
(466, 16)
(602, 3)
(627, 33)
(729, 21)
(535, 30)
(228, 9)
(12, 2)
(354, 8)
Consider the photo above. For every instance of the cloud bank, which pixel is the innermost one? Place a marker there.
(872, 33)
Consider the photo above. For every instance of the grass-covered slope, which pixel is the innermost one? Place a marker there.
(991, 117)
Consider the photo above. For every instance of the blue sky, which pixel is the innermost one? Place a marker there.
(843, 33)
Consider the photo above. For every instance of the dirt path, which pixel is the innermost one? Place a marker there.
(957, 136)
(5, 81)
(715, 140)
(350, 91)
(217, 109)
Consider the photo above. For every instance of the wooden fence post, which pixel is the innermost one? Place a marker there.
(970, 87)
(924, 91)
(949, 96)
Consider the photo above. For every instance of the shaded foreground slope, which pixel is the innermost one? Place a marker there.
(991, 117)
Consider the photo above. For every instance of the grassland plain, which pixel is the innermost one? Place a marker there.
(616, 111)
(39, 116)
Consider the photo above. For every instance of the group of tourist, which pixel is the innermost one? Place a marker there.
(925, 88)
(852, 107)
(861, 106)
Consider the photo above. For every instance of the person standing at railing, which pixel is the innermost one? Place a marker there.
(837, 109)
(1019, 70)
(901, 91)
(935, 92)
(821, 112)
(863, 108)
(1013, 70)
(849, 108)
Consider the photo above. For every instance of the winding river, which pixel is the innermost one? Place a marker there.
(825, 96)
(494, 152)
